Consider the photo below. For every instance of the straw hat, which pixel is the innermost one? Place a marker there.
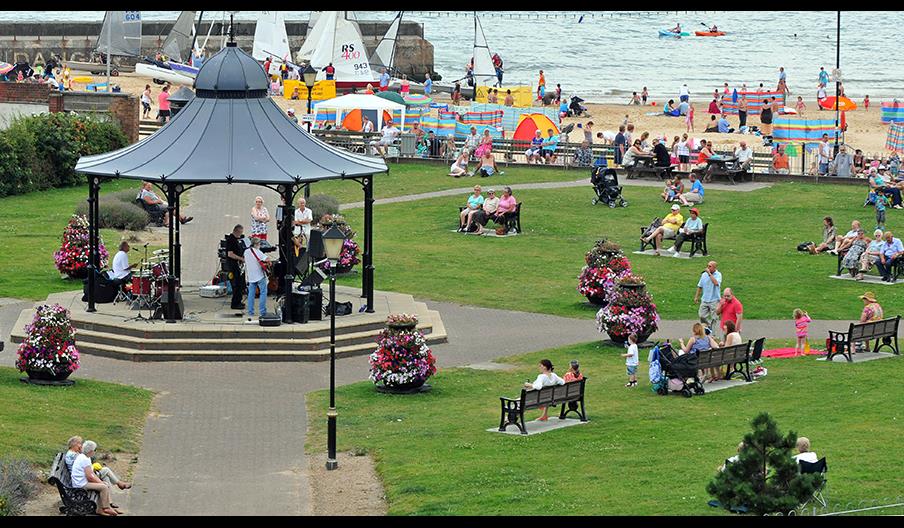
(869, 296)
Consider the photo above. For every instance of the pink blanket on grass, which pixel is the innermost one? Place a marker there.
(788, 352)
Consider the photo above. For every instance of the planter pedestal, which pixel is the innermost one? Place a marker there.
(406, 388)
(43, 378)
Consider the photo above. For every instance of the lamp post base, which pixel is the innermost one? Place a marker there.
(332, 464)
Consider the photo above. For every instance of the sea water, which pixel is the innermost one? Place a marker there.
(608, 55)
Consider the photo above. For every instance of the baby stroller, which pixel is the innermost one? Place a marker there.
(576, 109)
(608, 191)
(676, 370)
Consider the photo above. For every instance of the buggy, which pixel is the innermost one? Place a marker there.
(676, 370)
(608, 191)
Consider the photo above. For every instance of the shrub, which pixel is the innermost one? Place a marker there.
(115, 214)
(17, 486)
(322, 204)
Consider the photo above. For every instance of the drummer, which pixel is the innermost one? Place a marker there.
(122, 270)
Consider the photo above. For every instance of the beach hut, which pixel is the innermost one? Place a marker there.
(375, 108)
(530, 123)
(895, 140)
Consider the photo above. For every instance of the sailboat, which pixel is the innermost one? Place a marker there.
(337, 39)
(120, 36)
(271, 40)
(483, 72)
(178, 48)
(384, 54)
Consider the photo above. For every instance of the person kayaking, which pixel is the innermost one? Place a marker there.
(714, 29)
(677, 28)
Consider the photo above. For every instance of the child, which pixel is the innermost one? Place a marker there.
(802, 324)
(574, 372)
(881, 205)
(866, 102)
(631, 361)
(800, 106)
(644, 94)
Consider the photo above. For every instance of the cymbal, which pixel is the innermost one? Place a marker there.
(158, 252)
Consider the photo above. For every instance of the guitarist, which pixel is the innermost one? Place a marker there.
(234, 260)
(257, 269)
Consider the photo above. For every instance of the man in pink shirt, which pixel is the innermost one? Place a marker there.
(506, 206)
(163, 104)
(730, 309)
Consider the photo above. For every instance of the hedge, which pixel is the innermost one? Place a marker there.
(40, 152)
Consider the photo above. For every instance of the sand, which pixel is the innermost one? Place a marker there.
(865, 129)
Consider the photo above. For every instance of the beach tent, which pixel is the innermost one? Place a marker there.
(893, 112)
(755, 102)
(786, 130)
(354, 120)
(372, 106)
(529, 125)
(895, 140)
(511, 116)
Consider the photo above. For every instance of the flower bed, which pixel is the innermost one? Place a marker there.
(72, 257)
(402, 359)
(605, 265)
(49, 347)
(631, 311)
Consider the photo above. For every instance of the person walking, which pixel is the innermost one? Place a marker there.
(709, 286)
(146, 101)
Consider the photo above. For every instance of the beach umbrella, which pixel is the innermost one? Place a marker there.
(417, 99)
(844, 104)
(895, 139)
(528, 124)
(6, 67)
(391, 96)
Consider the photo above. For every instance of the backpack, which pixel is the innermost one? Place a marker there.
(804, 246)
(657, 222)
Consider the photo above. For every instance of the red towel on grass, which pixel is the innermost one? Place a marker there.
(788, 352)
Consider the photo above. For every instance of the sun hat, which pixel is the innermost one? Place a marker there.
(491, 191)
(695, 210)
(676, 207)
(869, 296)
(291, 111)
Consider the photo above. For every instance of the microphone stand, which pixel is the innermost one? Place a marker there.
(141, 273)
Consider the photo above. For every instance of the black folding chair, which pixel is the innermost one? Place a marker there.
(816, 467)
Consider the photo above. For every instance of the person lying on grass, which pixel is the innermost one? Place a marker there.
(546, 378)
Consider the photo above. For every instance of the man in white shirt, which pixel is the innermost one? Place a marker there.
(83, 476)
(744, 155)
(121, 267)
(389, 133)
(303, 219)
(255, 275)
(824, 155)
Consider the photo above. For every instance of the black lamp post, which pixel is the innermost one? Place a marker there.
(837, 75)
(332, 241)
(309, 75)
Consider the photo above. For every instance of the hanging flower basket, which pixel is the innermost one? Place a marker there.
(631, 311)
(605, 265)
(402, 362)
(48, 352)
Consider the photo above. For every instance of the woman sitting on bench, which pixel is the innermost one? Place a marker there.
(475, 202)
(547, 378)
(700, 342)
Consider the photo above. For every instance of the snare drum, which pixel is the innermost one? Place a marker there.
(160, 270)
(141, 284)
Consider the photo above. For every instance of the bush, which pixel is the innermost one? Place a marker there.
(322, 204)
(40, 152)
(116, 214)
(17, 486)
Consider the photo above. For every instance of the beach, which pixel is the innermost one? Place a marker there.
(865, 128)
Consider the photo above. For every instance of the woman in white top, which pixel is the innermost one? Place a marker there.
(732, 336)
(803, 451)
(146, 101)
(632, 153)
(259, 218)
(460, 167)
(82, 476)
(546, 378)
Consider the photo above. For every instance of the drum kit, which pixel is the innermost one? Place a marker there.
(149, 283)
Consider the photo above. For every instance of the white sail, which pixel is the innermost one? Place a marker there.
(312, 21)
(385, 53)
(484, 71)
(120, 34)
(317, 28)
(270, 38)
(337, 40)
(177, 45)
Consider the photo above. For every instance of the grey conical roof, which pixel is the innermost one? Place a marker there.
(183, 95)
(231, 69)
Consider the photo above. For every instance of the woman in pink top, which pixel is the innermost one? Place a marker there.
(506, 206)
(486, 144)
(163, 104)
(801, 324)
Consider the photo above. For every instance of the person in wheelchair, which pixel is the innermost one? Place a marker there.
(608, 191)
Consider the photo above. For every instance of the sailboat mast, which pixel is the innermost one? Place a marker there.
(109, 45)
(194, 38)
(395, 42)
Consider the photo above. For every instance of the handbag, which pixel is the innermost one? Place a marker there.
(500, 230)
(804, 246)
(657, 222)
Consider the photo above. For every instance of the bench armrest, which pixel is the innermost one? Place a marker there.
(515, 400)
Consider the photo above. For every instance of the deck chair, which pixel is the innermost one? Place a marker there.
(816, 467)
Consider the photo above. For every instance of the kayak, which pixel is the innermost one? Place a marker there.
(709, 33)
(667, 33)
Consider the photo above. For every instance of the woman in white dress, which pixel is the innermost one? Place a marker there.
(546, 378)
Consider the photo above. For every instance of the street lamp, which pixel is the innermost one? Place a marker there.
(332, 241)
(837, 74)
(309, 75)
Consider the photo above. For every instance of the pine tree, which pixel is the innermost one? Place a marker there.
(765, 479)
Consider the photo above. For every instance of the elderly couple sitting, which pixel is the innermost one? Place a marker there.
(674, 226)
(92, 476)
(480, 211)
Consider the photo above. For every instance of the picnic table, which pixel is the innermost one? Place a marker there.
(723, 166)
(643, 164)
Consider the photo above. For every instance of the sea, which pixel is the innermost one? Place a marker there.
(605, 56)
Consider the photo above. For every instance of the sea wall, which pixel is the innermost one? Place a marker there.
(36, 41)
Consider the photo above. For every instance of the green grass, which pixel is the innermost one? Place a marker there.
(640, 454)
(36, 421)
(752, 235)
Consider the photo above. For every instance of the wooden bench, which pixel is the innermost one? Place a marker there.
(512, 220)
(736, 358)
(571, 393)
(897, 266)
(697, 240)
(885, 333)
(76, 501)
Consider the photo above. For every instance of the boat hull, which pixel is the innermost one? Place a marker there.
(96, 67)
(156, 72)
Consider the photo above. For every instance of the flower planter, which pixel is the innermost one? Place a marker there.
(599, 301)
(43, 375)
(413, 387)
(402, 361)
(631, 311)
(401, 327)
(604, 266)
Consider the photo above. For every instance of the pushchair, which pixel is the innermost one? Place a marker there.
(608, 191)
(576, 109)
(675, 372)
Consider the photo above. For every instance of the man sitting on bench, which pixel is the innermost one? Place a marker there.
(669, 228)
(891, 251)
(693, 225)
(153, 202)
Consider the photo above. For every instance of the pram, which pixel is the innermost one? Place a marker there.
(675, 372)
(576, 109)
(608, 191)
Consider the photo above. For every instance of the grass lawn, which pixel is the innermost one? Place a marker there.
(31, 227)
(640, 453)
(36, 421)
(752, 235)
